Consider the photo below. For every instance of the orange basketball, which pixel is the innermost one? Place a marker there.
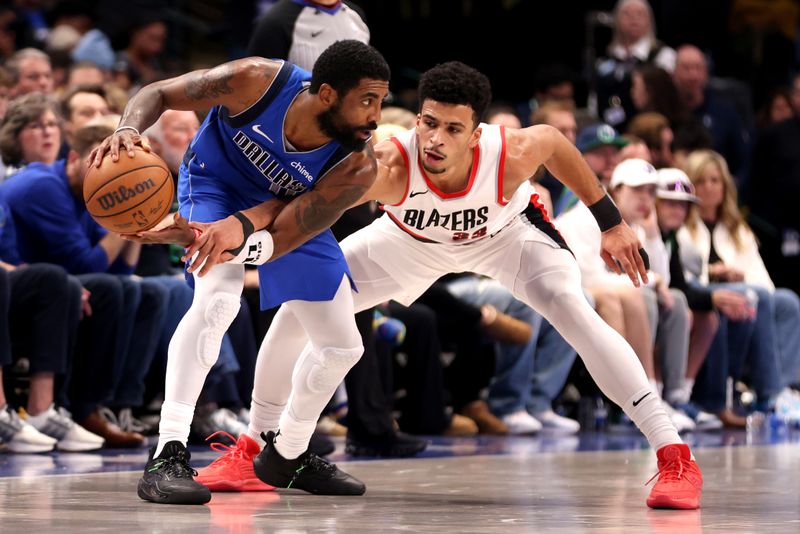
(131, 195)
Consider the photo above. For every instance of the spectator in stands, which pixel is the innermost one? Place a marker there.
(776, 108)
(560, 114)
(39, 312)
(675, 195)
(31, 132)
(600, 145)
(30, 71)
(53, 226)
(504, 114)
(730, 253)
(654, 129)
(728, 133)
(795, 94)
(633, 43)
(772, 197)
(81, 105)
(84, 73)
(139, 63)
(8, 35)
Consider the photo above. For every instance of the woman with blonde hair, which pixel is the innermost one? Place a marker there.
(730, 256)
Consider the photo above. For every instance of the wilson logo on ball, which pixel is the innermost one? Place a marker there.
(123, 194)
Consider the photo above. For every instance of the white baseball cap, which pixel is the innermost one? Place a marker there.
(674, 184)
(633, 173)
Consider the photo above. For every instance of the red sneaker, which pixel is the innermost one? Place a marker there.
(233, 471)
(680, 481)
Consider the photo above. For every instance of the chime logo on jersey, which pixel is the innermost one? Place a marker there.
(281, 182)
(457, 221)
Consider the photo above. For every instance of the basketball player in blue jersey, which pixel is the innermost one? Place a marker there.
(457, 197)
(279, 148)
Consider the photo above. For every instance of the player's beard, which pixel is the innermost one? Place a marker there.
(332, 125)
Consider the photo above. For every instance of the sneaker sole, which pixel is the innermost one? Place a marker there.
(29, 447)
(148, 493)
(664, 501)
(234, 485)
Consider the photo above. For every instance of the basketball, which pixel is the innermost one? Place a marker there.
(130, 195)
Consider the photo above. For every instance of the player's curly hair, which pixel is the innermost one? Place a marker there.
(456, 83)
(345, 63)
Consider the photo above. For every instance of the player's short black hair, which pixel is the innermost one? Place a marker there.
(345, 63)
(456, 83)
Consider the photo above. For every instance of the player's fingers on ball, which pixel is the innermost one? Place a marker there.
(128, 142)
(145, 144)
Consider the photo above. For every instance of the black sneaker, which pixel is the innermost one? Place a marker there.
(168, 478)
(397, 445)
(307, 472)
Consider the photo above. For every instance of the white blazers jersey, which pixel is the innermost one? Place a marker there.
(463, 217)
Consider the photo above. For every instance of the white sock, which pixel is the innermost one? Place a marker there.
(176, 418)
(292, 441)
(652, 420)
(264, 417)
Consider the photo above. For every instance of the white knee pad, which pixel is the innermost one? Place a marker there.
(330, 367)
(219, 313)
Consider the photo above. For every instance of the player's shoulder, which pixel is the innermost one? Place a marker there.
(389, 154)
(258, 69)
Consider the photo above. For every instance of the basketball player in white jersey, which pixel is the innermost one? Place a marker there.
(453, 190)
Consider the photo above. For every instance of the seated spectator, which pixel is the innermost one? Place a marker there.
(53, 226)
(729, 135)
(528, 376)
(560, 114)
(633, 43)
(139, 61)
(39, 313)
(31, 132)
(84, 73)
(730, 253)
(600, 145)
(776, 108)
(399, 116)
(80, 105)
(503, 114)
(30, 72)
(675, 194)
(654, 129)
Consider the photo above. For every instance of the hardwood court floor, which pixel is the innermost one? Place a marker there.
(462, 486)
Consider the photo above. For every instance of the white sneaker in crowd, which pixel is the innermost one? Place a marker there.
(521, 422)
(551, 421)
(71, 437)
(682, 422)
(224, 419)
(19, 436)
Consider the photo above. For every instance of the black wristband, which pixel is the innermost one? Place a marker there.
(645, 258)
(606, 213)
(247, 230)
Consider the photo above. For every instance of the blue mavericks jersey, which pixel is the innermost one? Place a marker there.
(238, 161)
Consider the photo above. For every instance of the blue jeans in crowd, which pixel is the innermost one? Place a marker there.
(527, 377)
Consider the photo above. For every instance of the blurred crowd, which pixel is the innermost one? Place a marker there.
(709, 184)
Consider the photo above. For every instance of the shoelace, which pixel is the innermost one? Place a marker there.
(669, 470)
(177, 466)
(109, 416)
(128, 423)
(228, 452)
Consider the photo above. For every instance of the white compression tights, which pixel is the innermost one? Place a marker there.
(194, 347)
(549, 281)
(294, 382)
(555, 292)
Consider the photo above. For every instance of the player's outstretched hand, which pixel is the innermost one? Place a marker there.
(212, 244)
(173, 229)
(619, 246)
(125, 138)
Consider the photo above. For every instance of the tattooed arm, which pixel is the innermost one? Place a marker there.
(236, 85)
(289, 224)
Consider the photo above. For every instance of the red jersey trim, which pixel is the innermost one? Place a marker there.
(538, 205)
(403, 153)
(501, 168)
(476, 157)
(403, 227)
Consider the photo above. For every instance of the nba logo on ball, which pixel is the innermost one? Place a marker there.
(130, 195)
